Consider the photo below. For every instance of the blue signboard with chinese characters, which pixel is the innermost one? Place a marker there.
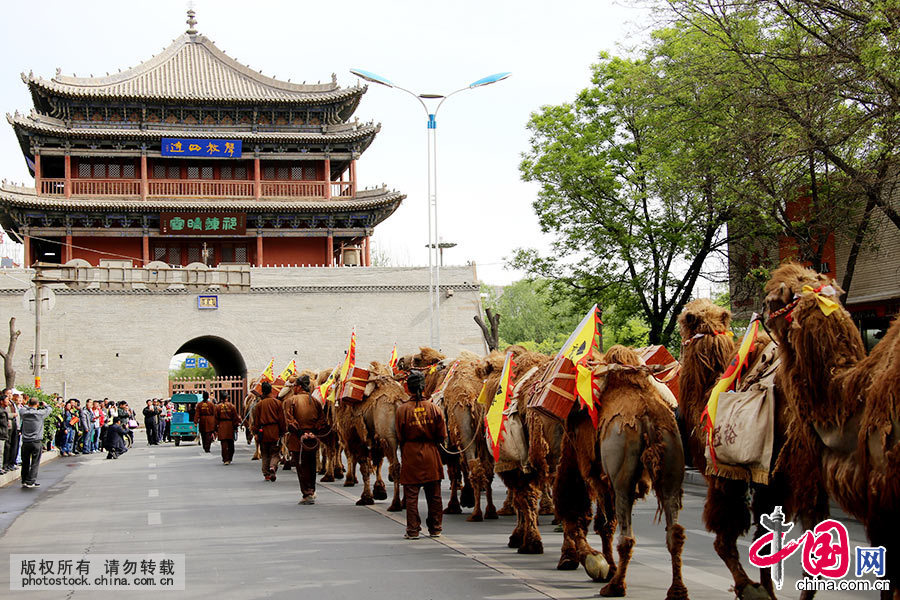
(190, 363)
(202, 363)
(196, 147)
(207, 302)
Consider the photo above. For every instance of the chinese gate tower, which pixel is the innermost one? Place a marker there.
(192, 157)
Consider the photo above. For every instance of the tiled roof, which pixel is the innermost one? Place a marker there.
(23, 197)
(346, 132)
(192, 68)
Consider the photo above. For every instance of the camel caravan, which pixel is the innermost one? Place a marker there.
(794, 415)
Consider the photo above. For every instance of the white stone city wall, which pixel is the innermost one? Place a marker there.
(119, 345)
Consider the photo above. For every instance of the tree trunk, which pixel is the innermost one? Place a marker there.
(492, 335)
(7, 356)
(855, 248)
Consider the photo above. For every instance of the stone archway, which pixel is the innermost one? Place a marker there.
(224, 356)
(231, 370)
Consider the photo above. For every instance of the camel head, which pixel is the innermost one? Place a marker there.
(784, 295)
(425, 358)
(381, 382)
(702, 316)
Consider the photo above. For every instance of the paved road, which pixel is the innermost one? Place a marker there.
(247, 538)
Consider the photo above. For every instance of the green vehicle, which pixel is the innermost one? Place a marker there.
(183, 427)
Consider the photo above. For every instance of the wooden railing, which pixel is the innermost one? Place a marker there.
(200, 188)
(196, 188)
(106, 187)
(293, 189)
(53, 187)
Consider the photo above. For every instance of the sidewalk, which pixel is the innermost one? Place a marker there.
(8, 478)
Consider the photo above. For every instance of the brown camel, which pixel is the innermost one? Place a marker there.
(465, 418)
(851, 400)
(530, 450)
(635, 447)
(330, 466)
(706, 352)
(368, 433)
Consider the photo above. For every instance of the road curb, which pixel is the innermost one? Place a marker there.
(8, 478)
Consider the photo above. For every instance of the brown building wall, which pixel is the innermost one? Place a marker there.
(294, 251)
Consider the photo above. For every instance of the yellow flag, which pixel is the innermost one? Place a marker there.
(495, 419)
(289, 371)
(482, 395)
(727, 381)
(583, 339)
(392, 364)
(326, 390)
(267, 374)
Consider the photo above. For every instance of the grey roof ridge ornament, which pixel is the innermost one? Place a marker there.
(191, 21)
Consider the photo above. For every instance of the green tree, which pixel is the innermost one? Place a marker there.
(635, 189)
(194, 372)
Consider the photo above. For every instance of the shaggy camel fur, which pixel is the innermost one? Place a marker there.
(330, 466)
(526, 480)
(465, 426)
(729, 512)
(368, 433)
(635, 446)
(250, 401)
(851, 400)
(461, 491)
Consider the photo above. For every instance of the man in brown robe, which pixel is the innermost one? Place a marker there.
(420, 428)
(206, 420)
(305, 420)
(226, 429)
(270, 426)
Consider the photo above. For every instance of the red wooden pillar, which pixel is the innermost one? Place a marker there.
(37, 173)
(67, 256)
(257, 186)
(327, 178)
(368, 243)
(259, 249)
(144, 185)
(68, 175)
(329, 251)
(27, 242)
(353, 178)
(145, 243)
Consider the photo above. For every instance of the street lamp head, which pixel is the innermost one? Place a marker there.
(431, 96)
(490, 79)
(369, 76)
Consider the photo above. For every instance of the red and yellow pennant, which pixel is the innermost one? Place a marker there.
(727, 382)
(495, 419)
(288, 372)
(267, 374)
(578, 348)
(326, 390)
(392, 364)
(349, 360)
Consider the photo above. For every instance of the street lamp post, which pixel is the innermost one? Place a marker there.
(434, 262)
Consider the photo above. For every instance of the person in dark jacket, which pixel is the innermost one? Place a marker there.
(151, 423)
(4, 425)
(87, 427)
(115, 439)
(70, 421)
(420, 428)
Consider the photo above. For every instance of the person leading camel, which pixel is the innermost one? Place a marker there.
(305, 421)
(420, 428)
(269, 422)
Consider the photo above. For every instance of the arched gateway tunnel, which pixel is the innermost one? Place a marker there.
(230, 382)
(118, 343)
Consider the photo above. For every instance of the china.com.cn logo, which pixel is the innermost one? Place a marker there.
(825, 554)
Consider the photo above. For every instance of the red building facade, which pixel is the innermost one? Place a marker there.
(192, 157)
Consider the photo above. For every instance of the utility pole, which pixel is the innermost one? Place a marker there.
(38, 301)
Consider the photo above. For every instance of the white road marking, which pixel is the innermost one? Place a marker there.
(152, 477)
(152, 456)
(153, 494)
(152, 465)
(154, 518)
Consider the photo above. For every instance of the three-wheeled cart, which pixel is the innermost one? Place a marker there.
(183, 426)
